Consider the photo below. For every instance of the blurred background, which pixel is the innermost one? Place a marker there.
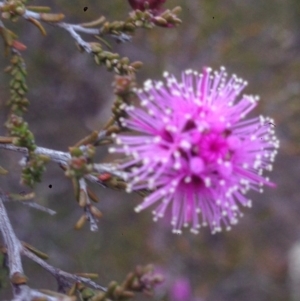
(259, 259)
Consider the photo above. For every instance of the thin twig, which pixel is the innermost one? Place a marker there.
(64, 279)
(72, 30)
(31, 204)
(91, 218)
(25, 293)
(38, 207)
(12, 243)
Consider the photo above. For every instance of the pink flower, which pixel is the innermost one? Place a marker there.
(194, 151)
(181, 290)
(142, 4)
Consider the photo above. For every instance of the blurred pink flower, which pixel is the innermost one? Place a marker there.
(181, 290)
(142, 4)
(194, 152)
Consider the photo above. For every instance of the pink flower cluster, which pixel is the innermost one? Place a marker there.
(151, 4)
(194, 152)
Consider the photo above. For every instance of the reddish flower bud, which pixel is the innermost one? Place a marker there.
(104, 176)
(143, 4)
(19, 46)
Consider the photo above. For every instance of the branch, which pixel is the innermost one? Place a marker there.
(73, 29)
(25, 200)
(12, 243)
(88, 207)
(63, 158)
(25, 293)
(14, 248)
(64, 279)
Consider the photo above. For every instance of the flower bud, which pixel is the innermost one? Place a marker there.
(144, 4)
